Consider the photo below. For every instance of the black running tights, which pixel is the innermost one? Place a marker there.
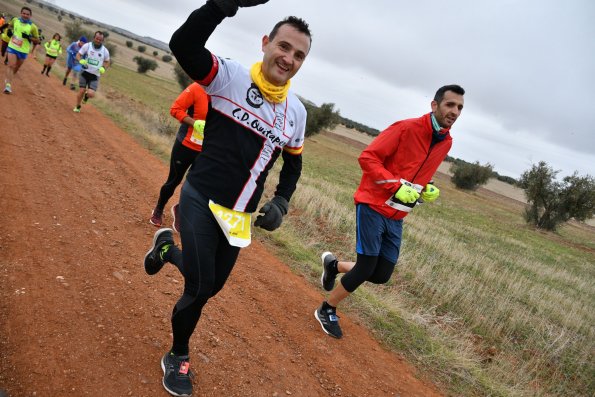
(180, 160)
(205, 261)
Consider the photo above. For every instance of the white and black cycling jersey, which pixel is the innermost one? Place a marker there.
(244, 135)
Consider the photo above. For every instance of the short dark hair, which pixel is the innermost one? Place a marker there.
(98, 32)
(457, 89)
(297, 23)
(28, 9)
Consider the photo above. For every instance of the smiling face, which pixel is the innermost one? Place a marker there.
(284, 54)
(25, 14)
(98, 40)
(449, 109)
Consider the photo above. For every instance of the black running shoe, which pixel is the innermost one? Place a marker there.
(154, 257)
(64, 81)
(329, 271)
(328, 319)
(176, 374)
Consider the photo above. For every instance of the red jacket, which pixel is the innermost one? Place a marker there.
(193, 102)
(401, 151)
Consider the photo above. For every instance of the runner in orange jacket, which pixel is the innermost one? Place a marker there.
(190, 109)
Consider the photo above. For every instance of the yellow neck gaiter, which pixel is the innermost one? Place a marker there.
(271, 92)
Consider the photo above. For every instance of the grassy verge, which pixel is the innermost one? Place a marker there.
(483, 304)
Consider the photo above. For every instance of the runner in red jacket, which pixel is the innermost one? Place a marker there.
(190, 109)
(397, 170)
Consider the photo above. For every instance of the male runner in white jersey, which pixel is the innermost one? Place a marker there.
(94, 59)
(253, 119)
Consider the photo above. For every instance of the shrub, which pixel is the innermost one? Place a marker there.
(181, 77)
(470, 176)
(129, 43)
(155, 53)
(142, 48)
(112, 48)
(74, 31)
(144, 64)
(166, 58)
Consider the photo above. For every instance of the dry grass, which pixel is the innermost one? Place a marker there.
(506, 309)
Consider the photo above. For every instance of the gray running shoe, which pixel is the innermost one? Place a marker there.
(329, 271)
(156, 217)
(176, 374)
(162, 241)
(328, 319)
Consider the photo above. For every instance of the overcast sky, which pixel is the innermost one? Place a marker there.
(528, 66)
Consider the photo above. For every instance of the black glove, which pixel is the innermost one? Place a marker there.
(9, 33)
(25, 36)
(273, 214)
(230, 7)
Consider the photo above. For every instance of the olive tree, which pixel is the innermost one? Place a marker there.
(551, 202)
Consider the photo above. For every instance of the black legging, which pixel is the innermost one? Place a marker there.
(206, 262)
(180, 160)
(374, 269)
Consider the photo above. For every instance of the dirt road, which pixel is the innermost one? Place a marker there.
(78, 315)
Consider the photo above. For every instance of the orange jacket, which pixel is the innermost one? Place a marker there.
(403, 150)
(192, 102)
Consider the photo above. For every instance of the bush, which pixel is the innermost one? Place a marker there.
(181, 77)
(142, 48)
(507, 179)
(74, 31)
(470, 176)
(129, 43)
(155, 53)
(166, 58)
(550, 202)
(144, 64)
(112, 48)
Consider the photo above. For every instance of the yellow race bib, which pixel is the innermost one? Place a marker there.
(235, 224)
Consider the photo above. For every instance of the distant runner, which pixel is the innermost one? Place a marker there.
(36, 44)
(4, 35)
(190, 109)
(397, 170)
(22, 33)
(94, 59)
(72, 64)
(53, 48)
